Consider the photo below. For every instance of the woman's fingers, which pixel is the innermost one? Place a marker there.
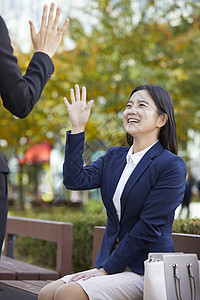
(32, 29)
(80, 276)
(75, 97)
(44, 17)
(72, 95)
(77, 93)
(64, 26)
(66, 102)
(56, 20)
(50, 17)
(77, 90)
(87, 275)
(79, 113)
(76, 277)
(48, 38)
(89, 105)
(84, 93)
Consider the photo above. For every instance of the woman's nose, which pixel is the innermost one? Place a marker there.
(133, 110)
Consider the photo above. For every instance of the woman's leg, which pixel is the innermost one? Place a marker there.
(59, 290)
(70, 291)
(48, 291)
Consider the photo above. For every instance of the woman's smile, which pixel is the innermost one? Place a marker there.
(132, 120)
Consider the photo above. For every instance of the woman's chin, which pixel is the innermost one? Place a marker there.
(132, 132)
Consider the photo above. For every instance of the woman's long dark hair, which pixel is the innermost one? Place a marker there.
(164, 104)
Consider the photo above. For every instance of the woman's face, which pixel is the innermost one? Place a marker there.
(141, 117)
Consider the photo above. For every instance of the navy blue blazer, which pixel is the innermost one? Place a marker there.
(149, 199)
(20, 93)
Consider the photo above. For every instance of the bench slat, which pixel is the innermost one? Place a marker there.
(18, 290)
(40, 283)
(22, 285)
(7, 274)
(36, 228)
(26, 271)
(187, 243)
(30, 286)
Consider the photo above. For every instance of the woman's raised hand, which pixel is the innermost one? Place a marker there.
(49, 37)
(78, 110)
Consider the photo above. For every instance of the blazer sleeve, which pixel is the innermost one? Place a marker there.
(20, 93)
(159, 206)
(75, 175)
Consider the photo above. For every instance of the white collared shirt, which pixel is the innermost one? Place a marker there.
(132, 159)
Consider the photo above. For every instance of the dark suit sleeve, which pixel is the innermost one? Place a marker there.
(75, 176)
(20, 93)
(158, 208)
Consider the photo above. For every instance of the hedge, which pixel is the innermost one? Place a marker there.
(190, 226)
(44, 253)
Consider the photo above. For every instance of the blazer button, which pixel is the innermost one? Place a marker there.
(118, 228)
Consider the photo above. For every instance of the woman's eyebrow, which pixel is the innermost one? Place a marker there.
(144, 101)
(139, 101)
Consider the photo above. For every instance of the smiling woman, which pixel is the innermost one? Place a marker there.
(141, 186)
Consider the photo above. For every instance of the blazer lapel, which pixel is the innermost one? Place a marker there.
(138, 171)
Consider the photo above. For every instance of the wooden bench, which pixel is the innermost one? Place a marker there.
(57, 232)
(20, 280)
(29, 289)
(187, 243)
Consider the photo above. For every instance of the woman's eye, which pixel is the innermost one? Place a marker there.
(142, 105)
(128, 106)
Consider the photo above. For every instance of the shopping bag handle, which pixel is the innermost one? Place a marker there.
(192, 281)
(177, 281)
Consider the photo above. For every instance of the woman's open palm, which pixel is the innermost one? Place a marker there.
(78, 110)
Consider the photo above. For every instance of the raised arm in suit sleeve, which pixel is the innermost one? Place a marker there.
(75, 175)
(159, 206)
(20, 93)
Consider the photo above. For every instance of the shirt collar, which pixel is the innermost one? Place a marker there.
(136, 157)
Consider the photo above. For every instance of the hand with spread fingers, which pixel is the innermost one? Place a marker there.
(88, 274)
(78, 110)
(49, 37)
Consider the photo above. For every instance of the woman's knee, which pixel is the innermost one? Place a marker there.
(48, 291)
(70, 291)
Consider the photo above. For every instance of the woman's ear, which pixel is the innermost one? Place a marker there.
(162, 119)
